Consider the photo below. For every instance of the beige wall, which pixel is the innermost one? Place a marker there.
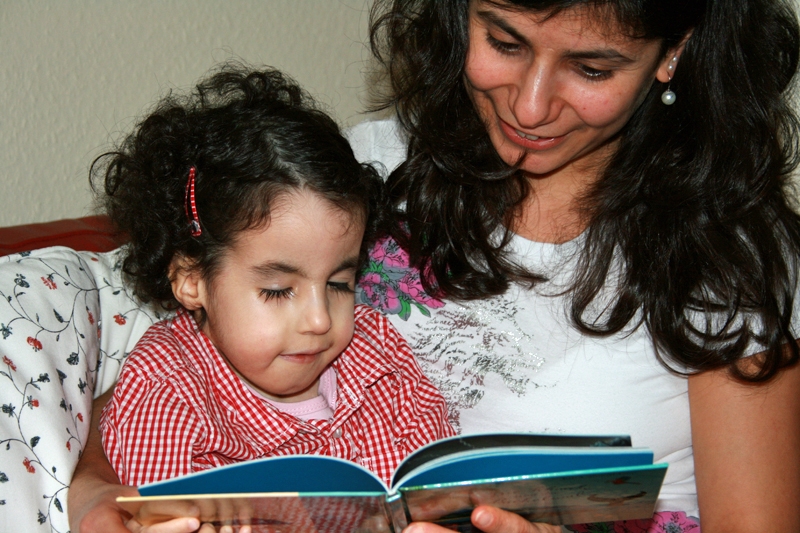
(75, 74)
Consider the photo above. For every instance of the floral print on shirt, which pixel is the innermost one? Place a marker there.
(663, 522)
(56, 346)
(390, 285)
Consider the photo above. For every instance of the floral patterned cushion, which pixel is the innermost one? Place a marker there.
(66, 325)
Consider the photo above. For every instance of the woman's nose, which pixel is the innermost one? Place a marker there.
(535, 101)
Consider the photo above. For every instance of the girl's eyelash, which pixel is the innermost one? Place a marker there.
(272, 294)
(340, 287)
(502, 46)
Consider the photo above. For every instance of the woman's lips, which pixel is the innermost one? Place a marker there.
(529, 142)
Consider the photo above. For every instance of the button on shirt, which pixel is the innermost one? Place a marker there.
(179, 408)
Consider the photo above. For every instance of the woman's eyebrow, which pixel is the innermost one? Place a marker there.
(494, 19)
(601, 53)
(611, 54)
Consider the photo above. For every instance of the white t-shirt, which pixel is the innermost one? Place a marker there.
(515, 363)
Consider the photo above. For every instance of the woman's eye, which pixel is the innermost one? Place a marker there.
(273, 294)
(503, 47)
(593, 73)
(340, 286)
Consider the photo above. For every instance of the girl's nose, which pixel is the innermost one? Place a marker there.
(316, 317)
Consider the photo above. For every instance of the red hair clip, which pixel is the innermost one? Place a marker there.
(191, 206)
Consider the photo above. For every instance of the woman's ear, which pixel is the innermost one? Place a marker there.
(188, 286)
(668, 66)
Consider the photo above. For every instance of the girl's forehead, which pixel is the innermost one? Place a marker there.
(304, 198)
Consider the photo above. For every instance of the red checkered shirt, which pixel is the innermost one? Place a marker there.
(179, 408)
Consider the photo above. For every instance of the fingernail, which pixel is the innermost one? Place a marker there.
(481, 518)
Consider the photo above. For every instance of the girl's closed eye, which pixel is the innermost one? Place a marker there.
(273, 294)
(341, 286)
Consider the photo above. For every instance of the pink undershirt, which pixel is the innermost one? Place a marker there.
(320, 407)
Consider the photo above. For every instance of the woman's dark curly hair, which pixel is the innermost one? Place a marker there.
(694, 206)
(251, 136)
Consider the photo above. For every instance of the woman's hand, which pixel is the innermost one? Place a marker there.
(493, 520)
(490, 520)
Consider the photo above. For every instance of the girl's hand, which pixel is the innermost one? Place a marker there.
(103, 514)
(158, 517)
(490, 520)
(177, 525)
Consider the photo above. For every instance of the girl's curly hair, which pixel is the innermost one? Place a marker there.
(251, 136)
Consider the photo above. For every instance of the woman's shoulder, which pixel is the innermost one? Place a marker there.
(379, 141)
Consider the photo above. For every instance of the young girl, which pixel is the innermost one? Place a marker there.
(246, 213)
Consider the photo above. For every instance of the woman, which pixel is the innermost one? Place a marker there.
(596, 193)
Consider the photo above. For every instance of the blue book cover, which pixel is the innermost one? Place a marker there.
(553, 479)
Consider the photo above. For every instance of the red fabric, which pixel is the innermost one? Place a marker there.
(179, 408)
(91, 234)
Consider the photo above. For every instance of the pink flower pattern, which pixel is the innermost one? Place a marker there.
(663, 522)
(390, 284)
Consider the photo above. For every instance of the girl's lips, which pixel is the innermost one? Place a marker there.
(302, 358)
(529, 142)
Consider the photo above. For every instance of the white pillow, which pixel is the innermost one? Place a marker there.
(67, 323)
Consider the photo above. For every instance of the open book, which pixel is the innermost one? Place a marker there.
(553, 479)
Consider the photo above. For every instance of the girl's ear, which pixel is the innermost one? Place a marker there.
(668, 66)
(187, 283)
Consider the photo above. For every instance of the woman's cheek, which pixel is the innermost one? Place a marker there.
(599, 109)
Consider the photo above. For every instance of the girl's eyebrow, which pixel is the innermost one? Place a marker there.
(611, 54)
(269, 268)
(272, 267)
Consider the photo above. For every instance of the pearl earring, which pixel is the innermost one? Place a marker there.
(668, 97)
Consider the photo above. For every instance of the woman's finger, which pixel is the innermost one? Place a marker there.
(493, 520)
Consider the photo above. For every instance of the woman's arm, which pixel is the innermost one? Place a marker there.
(746, 440)
(95, 486)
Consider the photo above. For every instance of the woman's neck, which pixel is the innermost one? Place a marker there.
(552, 212)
